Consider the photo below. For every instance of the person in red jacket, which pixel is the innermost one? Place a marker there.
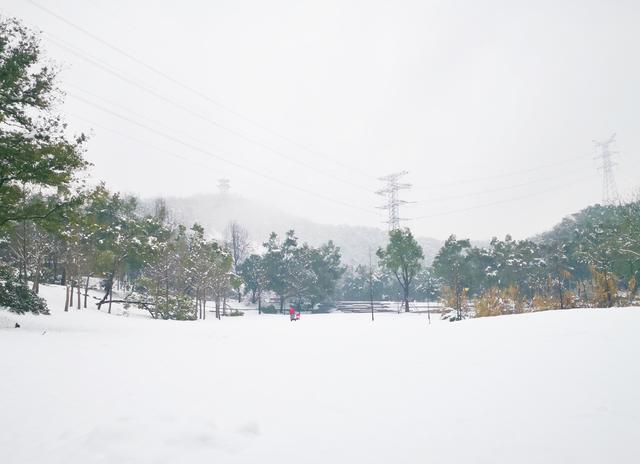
(292, 313)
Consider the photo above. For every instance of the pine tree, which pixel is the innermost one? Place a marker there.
(36, 151)
(450, 265)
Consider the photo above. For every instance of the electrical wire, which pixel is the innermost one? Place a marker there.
(111, 70)
(218, 157)
(498, 189)
(193, 90)
(499, 202)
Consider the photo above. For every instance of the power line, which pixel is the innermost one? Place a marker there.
(103, 65)
(137, 140)
(392, 214)
(393, 201)
(204, 96)
(120, 106)
(390, 202)
(510, 173)
(498, 189)
(111, 70)
(216, 156)
(499, 202)
(191, 89)
(138, 115)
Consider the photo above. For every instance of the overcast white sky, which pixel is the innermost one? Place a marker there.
(491, 106)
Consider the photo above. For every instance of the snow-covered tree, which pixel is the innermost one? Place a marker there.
(402, 257)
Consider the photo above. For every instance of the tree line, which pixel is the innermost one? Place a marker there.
(590, 259)
(53, 229)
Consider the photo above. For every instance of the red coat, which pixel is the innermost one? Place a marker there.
(292, 311)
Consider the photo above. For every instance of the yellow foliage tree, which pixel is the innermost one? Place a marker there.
(605, 288)
(451, 298)
(632, 288)
(512, 294)
(490, 303)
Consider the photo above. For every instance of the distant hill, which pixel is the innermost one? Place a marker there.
(215, 211)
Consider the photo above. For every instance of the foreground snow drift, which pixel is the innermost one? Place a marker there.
(87, 387)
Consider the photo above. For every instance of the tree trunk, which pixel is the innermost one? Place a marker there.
(24, 251)
(108, 287)
(110, 298)
(66, 298)
(560, 293)
(36, 279)
(86, 291)
(259, 303)
(204, 304)
(71, 297)
(78, 295)
(609, 296)
(406, 299)
(196, 307)
(561, 298)
(634, 290)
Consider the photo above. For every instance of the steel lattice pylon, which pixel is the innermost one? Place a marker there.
(390, 192)
(609, 189)
(223, 186)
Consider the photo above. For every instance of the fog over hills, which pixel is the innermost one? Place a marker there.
(215, 211)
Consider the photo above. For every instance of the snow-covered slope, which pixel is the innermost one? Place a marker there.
(86, 387)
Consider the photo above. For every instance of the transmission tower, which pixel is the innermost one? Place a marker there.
(609, 190)
(223, 186)
(390, 192)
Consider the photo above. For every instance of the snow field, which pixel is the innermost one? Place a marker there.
(87, 387)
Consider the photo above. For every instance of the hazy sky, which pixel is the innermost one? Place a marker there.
(490, 106)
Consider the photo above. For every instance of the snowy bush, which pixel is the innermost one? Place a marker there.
(270, 309)
(450, 314)
(17, 297)
(179, 307)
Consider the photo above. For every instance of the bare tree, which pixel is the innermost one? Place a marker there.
(29, 245)
(237, 242)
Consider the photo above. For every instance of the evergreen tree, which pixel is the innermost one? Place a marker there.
(450, 265)
(36, 151)
(403, 257)
(253, 276)
(279, 265)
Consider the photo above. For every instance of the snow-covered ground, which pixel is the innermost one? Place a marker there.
(86, 387)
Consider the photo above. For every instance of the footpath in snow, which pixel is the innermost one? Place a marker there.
(86, 387)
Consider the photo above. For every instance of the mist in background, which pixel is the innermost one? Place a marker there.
(490, 106)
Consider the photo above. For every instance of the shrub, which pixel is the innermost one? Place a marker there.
(605, 288)
(491, 303)
(324, 308)
(495, 301)
(178, 307)
(451, 299)
(17, 297)
(543, 303)
(270, 309)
